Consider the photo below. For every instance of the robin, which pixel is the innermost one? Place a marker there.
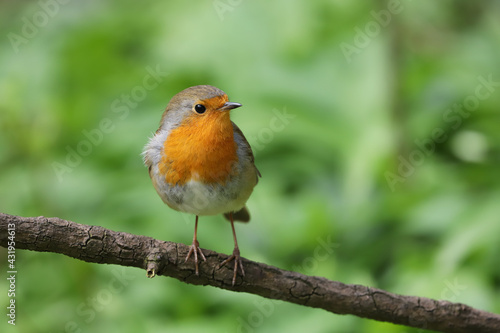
(200, 162)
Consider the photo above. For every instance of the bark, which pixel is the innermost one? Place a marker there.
(99, 245)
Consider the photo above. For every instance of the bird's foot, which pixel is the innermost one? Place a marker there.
(237, 262)
(194, 248)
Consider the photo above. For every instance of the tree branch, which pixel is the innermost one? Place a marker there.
(103, 246)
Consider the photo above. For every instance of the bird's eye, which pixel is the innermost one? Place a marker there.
(199, 108)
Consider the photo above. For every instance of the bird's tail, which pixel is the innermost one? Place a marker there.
(242, 215)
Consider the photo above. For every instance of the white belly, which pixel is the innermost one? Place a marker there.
(201, 199)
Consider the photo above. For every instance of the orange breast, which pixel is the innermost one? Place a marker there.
(202, 148)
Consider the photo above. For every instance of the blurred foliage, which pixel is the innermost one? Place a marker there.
(357, 165)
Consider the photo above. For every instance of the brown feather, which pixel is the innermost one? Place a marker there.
(242, 215)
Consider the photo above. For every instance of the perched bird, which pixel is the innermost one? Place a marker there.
(201, 163)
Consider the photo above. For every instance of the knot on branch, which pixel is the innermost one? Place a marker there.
(153, 262)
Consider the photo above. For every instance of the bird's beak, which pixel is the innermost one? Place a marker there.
(229, 106)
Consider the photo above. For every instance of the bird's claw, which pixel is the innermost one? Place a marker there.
(195, 248)
(237, 262)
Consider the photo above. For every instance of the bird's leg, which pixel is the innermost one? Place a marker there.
(236, 254)
(195, 248)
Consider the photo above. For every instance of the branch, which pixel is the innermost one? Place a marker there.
(103, 246)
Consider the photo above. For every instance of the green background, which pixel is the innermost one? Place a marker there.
(372, 160)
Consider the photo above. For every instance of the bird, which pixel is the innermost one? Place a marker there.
(200, 163)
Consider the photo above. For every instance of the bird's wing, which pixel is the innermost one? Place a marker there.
(250, 156)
